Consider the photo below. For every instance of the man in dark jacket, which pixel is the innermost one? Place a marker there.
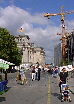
(39, 70)
(63, 77)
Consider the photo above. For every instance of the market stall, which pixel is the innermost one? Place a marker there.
(3, 83)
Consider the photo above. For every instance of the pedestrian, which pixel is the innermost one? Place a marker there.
(63, 76)
(52, 72)
(33, 73)
(18, 77)
(45, 69)
(36, 72)
(56, 70)
(39, 71)
(23, 77)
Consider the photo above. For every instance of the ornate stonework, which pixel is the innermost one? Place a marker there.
(30, 53)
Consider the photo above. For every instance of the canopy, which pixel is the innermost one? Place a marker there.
(4, 66)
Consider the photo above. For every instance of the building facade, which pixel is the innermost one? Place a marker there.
(69, 54)
(57, 54)
(30, 53)
(70, 48)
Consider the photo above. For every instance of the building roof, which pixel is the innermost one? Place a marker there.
(20, 36)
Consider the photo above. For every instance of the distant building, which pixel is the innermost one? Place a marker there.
(30, 53)
(57, 54)
(70, 48)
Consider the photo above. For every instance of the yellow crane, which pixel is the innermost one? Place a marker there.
(64, 34)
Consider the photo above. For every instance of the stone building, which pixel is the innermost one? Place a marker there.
(39, 55)
(30, 53)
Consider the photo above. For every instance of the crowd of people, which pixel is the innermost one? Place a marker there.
(35, 71)
(61, 75)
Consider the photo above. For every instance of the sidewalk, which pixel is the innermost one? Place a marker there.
(71, 85)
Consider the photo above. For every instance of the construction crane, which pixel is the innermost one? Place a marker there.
(64, 34)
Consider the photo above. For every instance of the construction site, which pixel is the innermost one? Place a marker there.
(64, 51)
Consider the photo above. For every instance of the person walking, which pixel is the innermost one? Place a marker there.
(63, 76)
(36, 72)
(39, 71)
(18, 77)
(33, 73)
(23, 77)
(56, 70)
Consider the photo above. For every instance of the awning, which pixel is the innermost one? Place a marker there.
(4, 66)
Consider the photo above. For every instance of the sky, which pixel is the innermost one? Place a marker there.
(29, 15)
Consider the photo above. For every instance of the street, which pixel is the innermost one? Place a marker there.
(45, 91)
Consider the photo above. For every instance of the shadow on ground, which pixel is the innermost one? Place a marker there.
(2, 99)
(56, 95)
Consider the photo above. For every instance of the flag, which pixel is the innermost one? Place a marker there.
(21, 30)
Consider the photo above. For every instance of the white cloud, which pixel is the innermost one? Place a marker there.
(40, 31)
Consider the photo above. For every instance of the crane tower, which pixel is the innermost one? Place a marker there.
(64, 34)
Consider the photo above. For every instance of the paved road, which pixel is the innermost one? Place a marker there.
(35, 92)
(55, 95)
(45, 91)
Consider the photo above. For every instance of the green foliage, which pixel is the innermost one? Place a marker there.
(66, 62)
(8, 47)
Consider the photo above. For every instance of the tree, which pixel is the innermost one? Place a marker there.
(66, 62)
(8, 47)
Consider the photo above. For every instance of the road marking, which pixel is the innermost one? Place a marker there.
(48, 99)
